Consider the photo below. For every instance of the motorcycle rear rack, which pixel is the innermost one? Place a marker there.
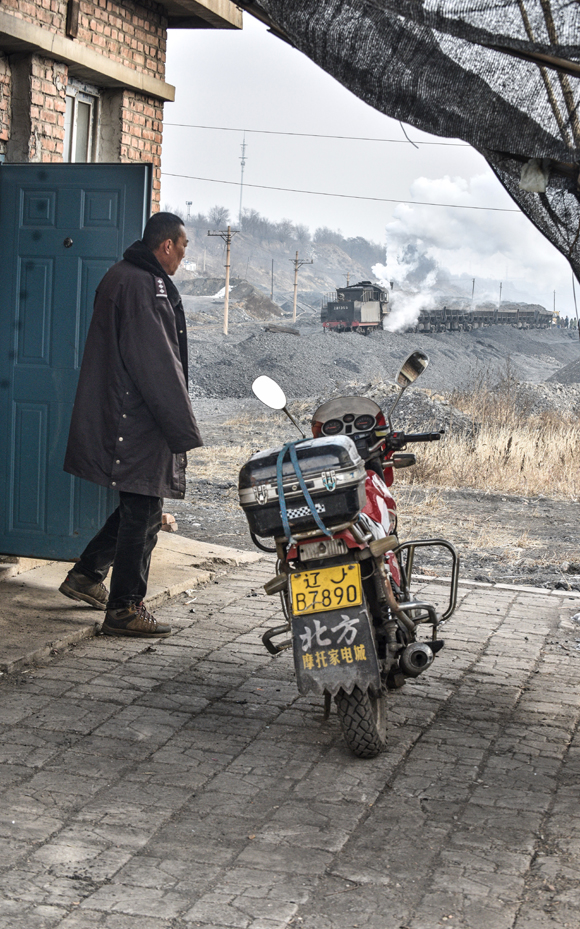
(406, 563)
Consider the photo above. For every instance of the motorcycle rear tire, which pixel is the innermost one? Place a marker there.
(363, 719)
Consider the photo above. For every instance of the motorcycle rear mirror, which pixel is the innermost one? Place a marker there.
(269, 392)
(412, 367)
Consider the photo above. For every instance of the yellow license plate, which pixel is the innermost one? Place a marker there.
(326, 589)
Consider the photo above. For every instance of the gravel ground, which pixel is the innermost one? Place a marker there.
(504, 539)
(317, 363)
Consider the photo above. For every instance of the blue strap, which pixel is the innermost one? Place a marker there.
(291, 447)
(281, 498)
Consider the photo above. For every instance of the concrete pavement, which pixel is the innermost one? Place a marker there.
(37, 621)
(183, 782)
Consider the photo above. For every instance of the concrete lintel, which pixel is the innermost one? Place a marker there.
(17, 35)
(203, 14)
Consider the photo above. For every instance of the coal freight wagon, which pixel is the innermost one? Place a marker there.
(456, 319)
(357, 308)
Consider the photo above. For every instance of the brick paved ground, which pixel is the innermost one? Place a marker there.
(184, 783)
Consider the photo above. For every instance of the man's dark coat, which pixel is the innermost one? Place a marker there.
(132, 420)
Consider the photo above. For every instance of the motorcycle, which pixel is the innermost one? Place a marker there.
(343, 575)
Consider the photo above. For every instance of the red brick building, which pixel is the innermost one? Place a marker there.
(84, 80)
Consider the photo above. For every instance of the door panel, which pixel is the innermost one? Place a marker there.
(34, 310)
(28, 473)
(62, 226)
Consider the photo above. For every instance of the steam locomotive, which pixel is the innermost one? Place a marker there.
(356, 308)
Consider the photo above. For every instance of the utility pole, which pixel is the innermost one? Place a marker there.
(472, 292)
(298, 262)
(499, 304)
(272, 282)
(227, 237)
(188, 204)
(347, 275)
(243, 161)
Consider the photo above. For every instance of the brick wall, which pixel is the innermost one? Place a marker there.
(36, 106)
(131, 33)
(142, 134)
(48, 80)
(4, 102)
(51, 14)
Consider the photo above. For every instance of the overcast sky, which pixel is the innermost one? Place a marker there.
(251, 80)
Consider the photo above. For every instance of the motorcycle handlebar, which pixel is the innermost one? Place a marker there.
(423, 437)
(397, 440)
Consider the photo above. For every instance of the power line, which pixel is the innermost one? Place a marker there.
(317, 135)
(325, 193)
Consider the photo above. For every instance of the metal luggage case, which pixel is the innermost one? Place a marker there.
(334, 474)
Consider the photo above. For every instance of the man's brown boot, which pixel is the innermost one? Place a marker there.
(134, 620)
(78, 586)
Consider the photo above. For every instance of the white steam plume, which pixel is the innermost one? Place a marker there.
(412, 270)
(485, 245)
(405, 310)
(405, 307)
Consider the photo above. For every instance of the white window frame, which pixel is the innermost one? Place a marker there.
(76, 93)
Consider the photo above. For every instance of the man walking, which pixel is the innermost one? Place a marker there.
(132, 422)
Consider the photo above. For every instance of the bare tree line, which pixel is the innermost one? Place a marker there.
(295, 235)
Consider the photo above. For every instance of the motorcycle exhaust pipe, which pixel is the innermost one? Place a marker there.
(389, 596)
(415, 659)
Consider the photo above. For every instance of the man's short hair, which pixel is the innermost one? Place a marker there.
(160, 227)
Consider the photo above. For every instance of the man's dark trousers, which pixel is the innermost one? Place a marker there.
(126, 541)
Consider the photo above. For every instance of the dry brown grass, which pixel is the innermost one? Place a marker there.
(218, 462)
(526, 460)
(509, 451)
(500, 402)
(275, 419)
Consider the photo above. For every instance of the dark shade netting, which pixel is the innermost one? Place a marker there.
(503, 76)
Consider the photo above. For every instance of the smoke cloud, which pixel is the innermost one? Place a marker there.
(408, 269)
(405, 310)
(430, 247)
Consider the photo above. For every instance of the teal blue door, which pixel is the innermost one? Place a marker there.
(61, 227)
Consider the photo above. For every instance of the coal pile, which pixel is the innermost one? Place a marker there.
(570, 374)
(320, 363)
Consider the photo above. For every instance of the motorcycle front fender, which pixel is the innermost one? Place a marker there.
(334, 651)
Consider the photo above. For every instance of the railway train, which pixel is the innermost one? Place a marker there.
(362, 307)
